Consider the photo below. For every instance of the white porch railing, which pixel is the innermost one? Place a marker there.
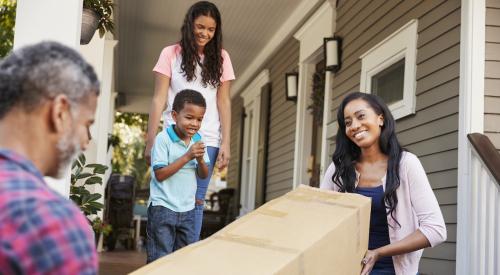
(484, 220)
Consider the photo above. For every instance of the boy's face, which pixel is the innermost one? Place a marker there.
(188, 120)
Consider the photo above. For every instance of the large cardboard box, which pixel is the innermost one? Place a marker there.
(306, 231)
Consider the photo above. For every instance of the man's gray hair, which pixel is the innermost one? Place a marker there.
(32, 74)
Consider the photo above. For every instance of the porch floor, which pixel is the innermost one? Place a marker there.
(120, 262)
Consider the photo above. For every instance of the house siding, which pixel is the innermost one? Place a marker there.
(233, 170)
(432, 133)
(492, 73)
(282, 117)
(282, 121)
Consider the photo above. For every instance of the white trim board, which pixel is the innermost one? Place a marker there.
(310, 36)
(471, 119)
(253, 89)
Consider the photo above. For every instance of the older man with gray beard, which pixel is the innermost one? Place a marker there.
(48, 97)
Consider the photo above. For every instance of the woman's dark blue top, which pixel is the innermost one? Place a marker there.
(379, 230)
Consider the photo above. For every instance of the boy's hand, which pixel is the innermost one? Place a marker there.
(197, 150)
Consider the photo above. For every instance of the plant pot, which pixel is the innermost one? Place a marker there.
(90, 22)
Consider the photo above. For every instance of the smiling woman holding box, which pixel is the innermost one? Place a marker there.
(368, 160)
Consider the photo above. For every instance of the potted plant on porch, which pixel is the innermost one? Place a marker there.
(100, 227)
(97, 14)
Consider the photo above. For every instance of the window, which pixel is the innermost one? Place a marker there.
(388, 70)
(388, 84)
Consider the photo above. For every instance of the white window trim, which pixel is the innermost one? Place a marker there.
(401, 44)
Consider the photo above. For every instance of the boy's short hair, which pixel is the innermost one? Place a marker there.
(188, 96)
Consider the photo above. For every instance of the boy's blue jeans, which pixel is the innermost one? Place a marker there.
(201, 191)
(168, 231)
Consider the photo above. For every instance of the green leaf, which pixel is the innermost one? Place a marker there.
(84, 191)
(77, 171)
(98, 168)
(83, 176)
(85, 198)
(97, 205)
(78, 190)
(96, 165)
(82, 159)
(89, 210)
(94, 197)
(93, 180)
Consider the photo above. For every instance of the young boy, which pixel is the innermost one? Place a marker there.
(177, 156)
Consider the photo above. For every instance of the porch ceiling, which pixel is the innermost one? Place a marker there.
(145, 27)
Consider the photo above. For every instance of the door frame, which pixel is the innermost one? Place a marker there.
(251, 102)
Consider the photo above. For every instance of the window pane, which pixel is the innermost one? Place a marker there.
(389, 83)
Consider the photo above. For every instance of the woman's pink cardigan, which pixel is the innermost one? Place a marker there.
(417, 208)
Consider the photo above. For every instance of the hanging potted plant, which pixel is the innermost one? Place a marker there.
(96, 15)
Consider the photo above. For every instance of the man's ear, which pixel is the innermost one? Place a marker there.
(59, 113)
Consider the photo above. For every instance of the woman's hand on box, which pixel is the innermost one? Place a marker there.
(371, 257)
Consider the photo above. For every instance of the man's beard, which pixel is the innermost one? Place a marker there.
(68, 148)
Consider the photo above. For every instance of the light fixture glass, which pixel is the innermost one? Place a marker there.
(291, 80)
(331, 48)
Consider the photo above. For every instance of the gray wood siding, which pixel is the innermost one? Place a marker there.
(492, 73)
(281, 141)
(431, 133)
(233, 172)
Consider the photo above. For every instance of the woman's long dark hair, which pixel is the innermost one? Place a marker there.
(347, 152)
(211, 68)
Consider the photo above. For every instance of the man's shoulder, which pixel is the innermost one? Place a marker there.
(24, 195)
(30, 199)
(53, 227)
(18, 183)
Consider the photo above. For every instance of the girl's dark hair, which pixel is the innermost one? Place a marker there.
(211, 68)
(347, 152)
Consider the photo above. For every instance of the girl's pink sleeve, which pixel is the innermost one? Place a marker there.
(227, 68)
(164, 64)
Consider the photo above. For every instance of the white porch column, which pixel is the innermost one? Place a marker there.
(49, 20)
(99, 53)
(320, 25)
(471, 119)
(303, 126)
